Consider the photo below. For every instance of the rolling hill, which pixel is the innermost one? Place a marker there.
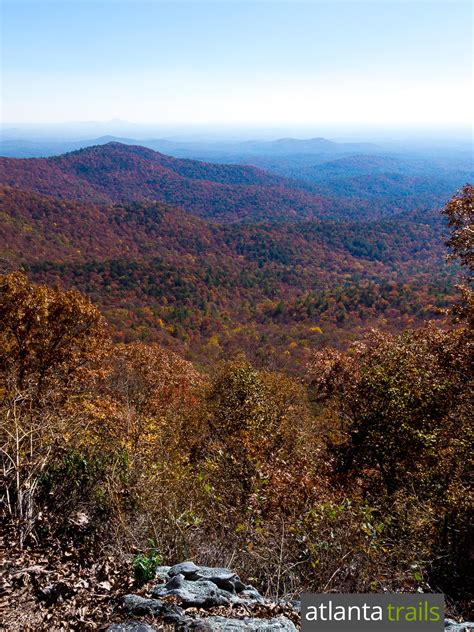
(283, 183)
(118, 173)
(210, 289)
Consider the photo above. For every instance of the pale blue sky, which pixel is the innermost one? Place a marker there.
(237, 62)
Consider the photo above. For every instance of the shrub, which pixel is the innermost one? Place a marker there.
(145, 564)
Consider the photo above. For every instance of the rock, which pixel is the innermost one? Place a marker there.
(131, 626)
(177, 581)
(452, 626)
(221, 577)
(185, 568)
(204, 587)
(173, 614)
(139, 606)
(218, 624)
(142, 607)
(162, 572)
(251, 594)
(197, 594)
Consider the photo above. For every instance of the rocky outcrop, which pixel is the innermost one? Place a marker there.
(204, 599)
(203, 587)
(220, 624)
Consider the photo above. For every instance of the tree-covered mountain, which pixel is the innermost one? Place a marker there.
(161, 273)
(290, 179)
(122, 173)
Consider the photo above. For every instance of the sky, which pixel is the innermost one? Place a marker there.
(249, 62)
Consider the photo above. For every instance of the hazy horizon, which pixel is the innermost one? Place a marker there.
(189, 133)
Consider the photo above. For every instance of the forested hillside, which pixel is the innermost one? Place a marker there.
(355, 187)
(122, 173)
(274, 289)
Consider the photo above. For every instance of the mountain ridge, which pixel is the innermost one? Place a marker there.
(118, 173)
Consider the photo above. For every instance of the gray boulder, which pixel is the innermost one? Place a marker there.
(250, 595)
(191, 584)
(197, 594)
(131, 626)
(222, 577)
(188, 585)
(162, 573)
(452, 626)
(223, 624)
(141, 607)
(185, 568)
